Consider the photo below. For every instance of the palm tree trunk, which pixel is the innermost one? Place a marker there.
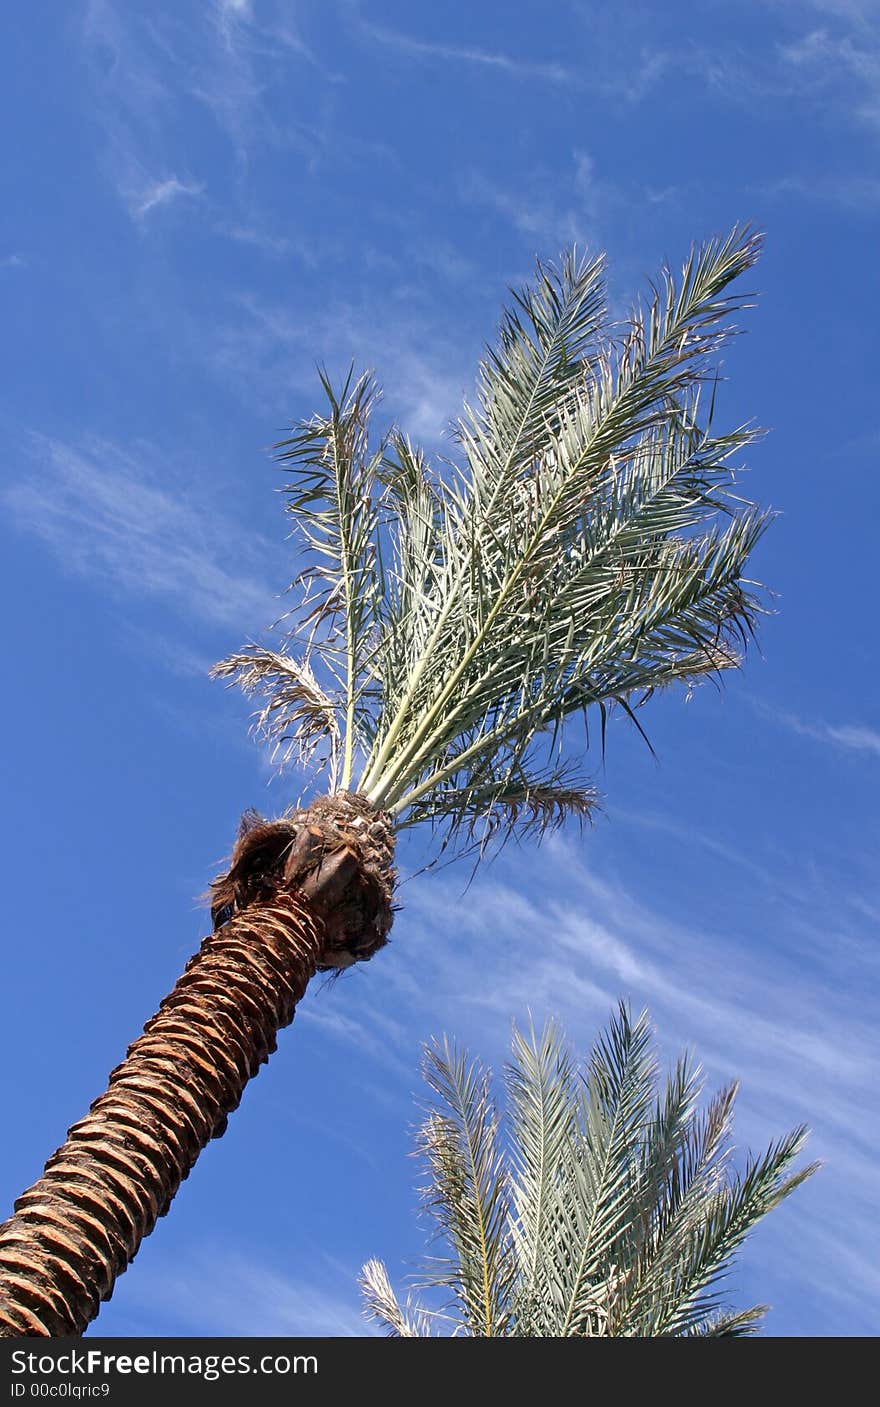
(306, 893)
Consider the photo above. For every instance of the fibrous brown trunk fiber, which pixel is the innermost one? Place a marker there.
(309, 892)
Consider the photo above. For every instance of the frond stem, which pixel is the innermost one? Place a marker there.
(350, 662)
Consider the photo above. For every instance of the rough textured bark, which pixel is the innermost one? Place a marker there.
(306, 893)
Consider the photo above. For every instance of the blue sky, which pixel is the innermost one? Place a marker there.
(204, 200)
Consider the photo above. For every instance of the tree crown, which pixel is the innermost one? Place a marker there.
(585, 547)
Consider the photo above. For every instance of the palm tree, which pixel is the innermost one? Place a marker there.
(585, 548)
(605, 1207)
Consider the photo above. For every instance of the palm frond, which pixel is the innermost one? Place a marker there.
(543, 353)
(723, 1225)
(659, 1173)
(547, 343)
(681, 1192)
(619, 1092)
(544, 1103)
(510, 800)
(468, 1192)
(627, 606)
(730, 1326)
(575, 567)
(409, 1321)
(297, 716)
(332, 501)
(410, 559)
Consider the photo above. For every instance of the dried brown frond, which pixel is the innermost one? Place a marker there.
(297, 715)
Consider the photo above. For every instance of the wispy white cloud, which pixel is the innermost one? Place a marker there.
(219, 1293)
(852, 192)
(696, 837)
(470, 55)
(630, 80)
(549, 214)
(123, 53)
(268, 353)
(159, 193)
(438, 256)
(592, 942)
(250, 49)
(849, 63)
(381, 1039)
(146, 66)
(267, 242)
(132, 72)
(839, 54)
(859, 12)
(253, 35)
(853, 737)
(106, 514)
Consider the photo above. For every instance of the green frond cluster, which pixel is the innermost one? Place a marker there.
(585, 548)
(605, 1207)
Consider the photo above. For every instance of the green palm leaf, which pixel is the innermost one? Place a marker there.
(468, 1192)
(619, 1092)
(543, 1099)
(332, 501)
(730, 1326)
(725, 1220)
(408, 1321)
